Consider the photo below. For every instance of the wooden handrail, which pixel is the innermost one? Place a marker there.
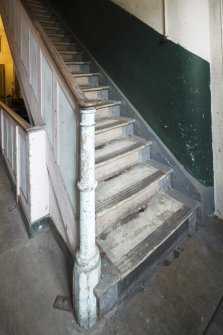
(79, 96)
(18, 119)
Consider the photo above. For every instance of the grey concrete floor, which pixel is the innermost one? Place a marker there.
(182, 296)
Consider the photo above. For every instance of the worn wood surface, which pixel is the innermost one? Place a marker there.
(133, 239)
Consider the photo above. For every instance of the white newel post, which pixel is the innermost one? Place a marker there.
(87, 267)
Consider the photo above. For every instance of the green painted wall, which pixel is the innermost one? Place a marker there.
(168, 85)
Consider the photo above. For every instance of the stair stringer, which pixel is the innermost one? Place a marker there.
(181, 180)
(62, 211)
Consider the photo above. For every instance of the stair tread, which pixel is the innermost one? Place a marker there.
(53, 20)
(76, 63)
(65, 43)
(34, 3)
(48, 16)
(88, 74)
(39, 7)
(105, 124)
(67, 49)
(129, 242)
(41, 10)
(107, 103)
(53, 28)
(70, 52)
(93, 88)
(122, 187)
(118, 148)
(56, 35)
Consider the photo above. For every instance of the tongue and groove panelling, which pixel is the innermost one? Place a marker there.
(167, 84)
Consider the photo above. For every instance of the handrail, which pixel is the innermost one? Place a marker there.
(79, 96)
(18, 119)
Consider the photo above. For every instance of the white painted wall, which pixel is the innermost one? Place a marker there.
(148, 11)
(187, 21)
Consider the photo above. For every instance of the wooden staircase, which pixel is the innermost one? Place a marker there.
(138, 216)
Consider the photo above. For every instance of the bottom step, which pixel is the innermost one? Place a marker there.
(128, 243)
(134, 244)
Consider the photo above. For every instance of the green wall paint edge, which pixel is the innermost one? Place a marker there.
(42, 225)
(37, 227)
(168, 85)
(45, 223)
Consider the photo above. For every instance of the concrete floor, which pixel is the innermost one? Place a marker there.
(182, 296)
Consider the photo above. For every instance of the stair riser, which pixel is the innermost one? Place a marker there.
(79, 68)
(120, 164)
(92, 80)
(97, 95)
(71, 47)
(113, 134)
(44, 16)
(50, 30)
(124, 289)
(48, 21)
(108, 112)
(58, 38)
(36, 3)
(41, 11)
(36, 6)
(72, 58)
(114, 215)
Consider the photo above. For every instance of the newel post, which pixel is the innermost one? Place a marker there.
(87, 267)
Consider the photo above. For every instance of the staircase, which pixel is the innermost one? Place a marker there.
(138, 215)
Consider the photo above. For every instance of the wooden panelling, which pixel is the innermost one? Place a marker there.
(51, 102)
(17, 25)
(47, 96)
(12, 22)
(8, 145)
(14, 149)
(67, 135)
(23, 164)
(33, 63)
(11, 17)
(25, 44)
(7, 8)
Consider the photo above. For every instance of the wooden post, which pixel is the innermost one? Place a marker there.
(87, 266)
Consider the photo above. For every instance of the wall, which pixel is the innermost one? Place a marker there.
(217, 101)
(167, 84)
(6, 58)
(187, 21)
